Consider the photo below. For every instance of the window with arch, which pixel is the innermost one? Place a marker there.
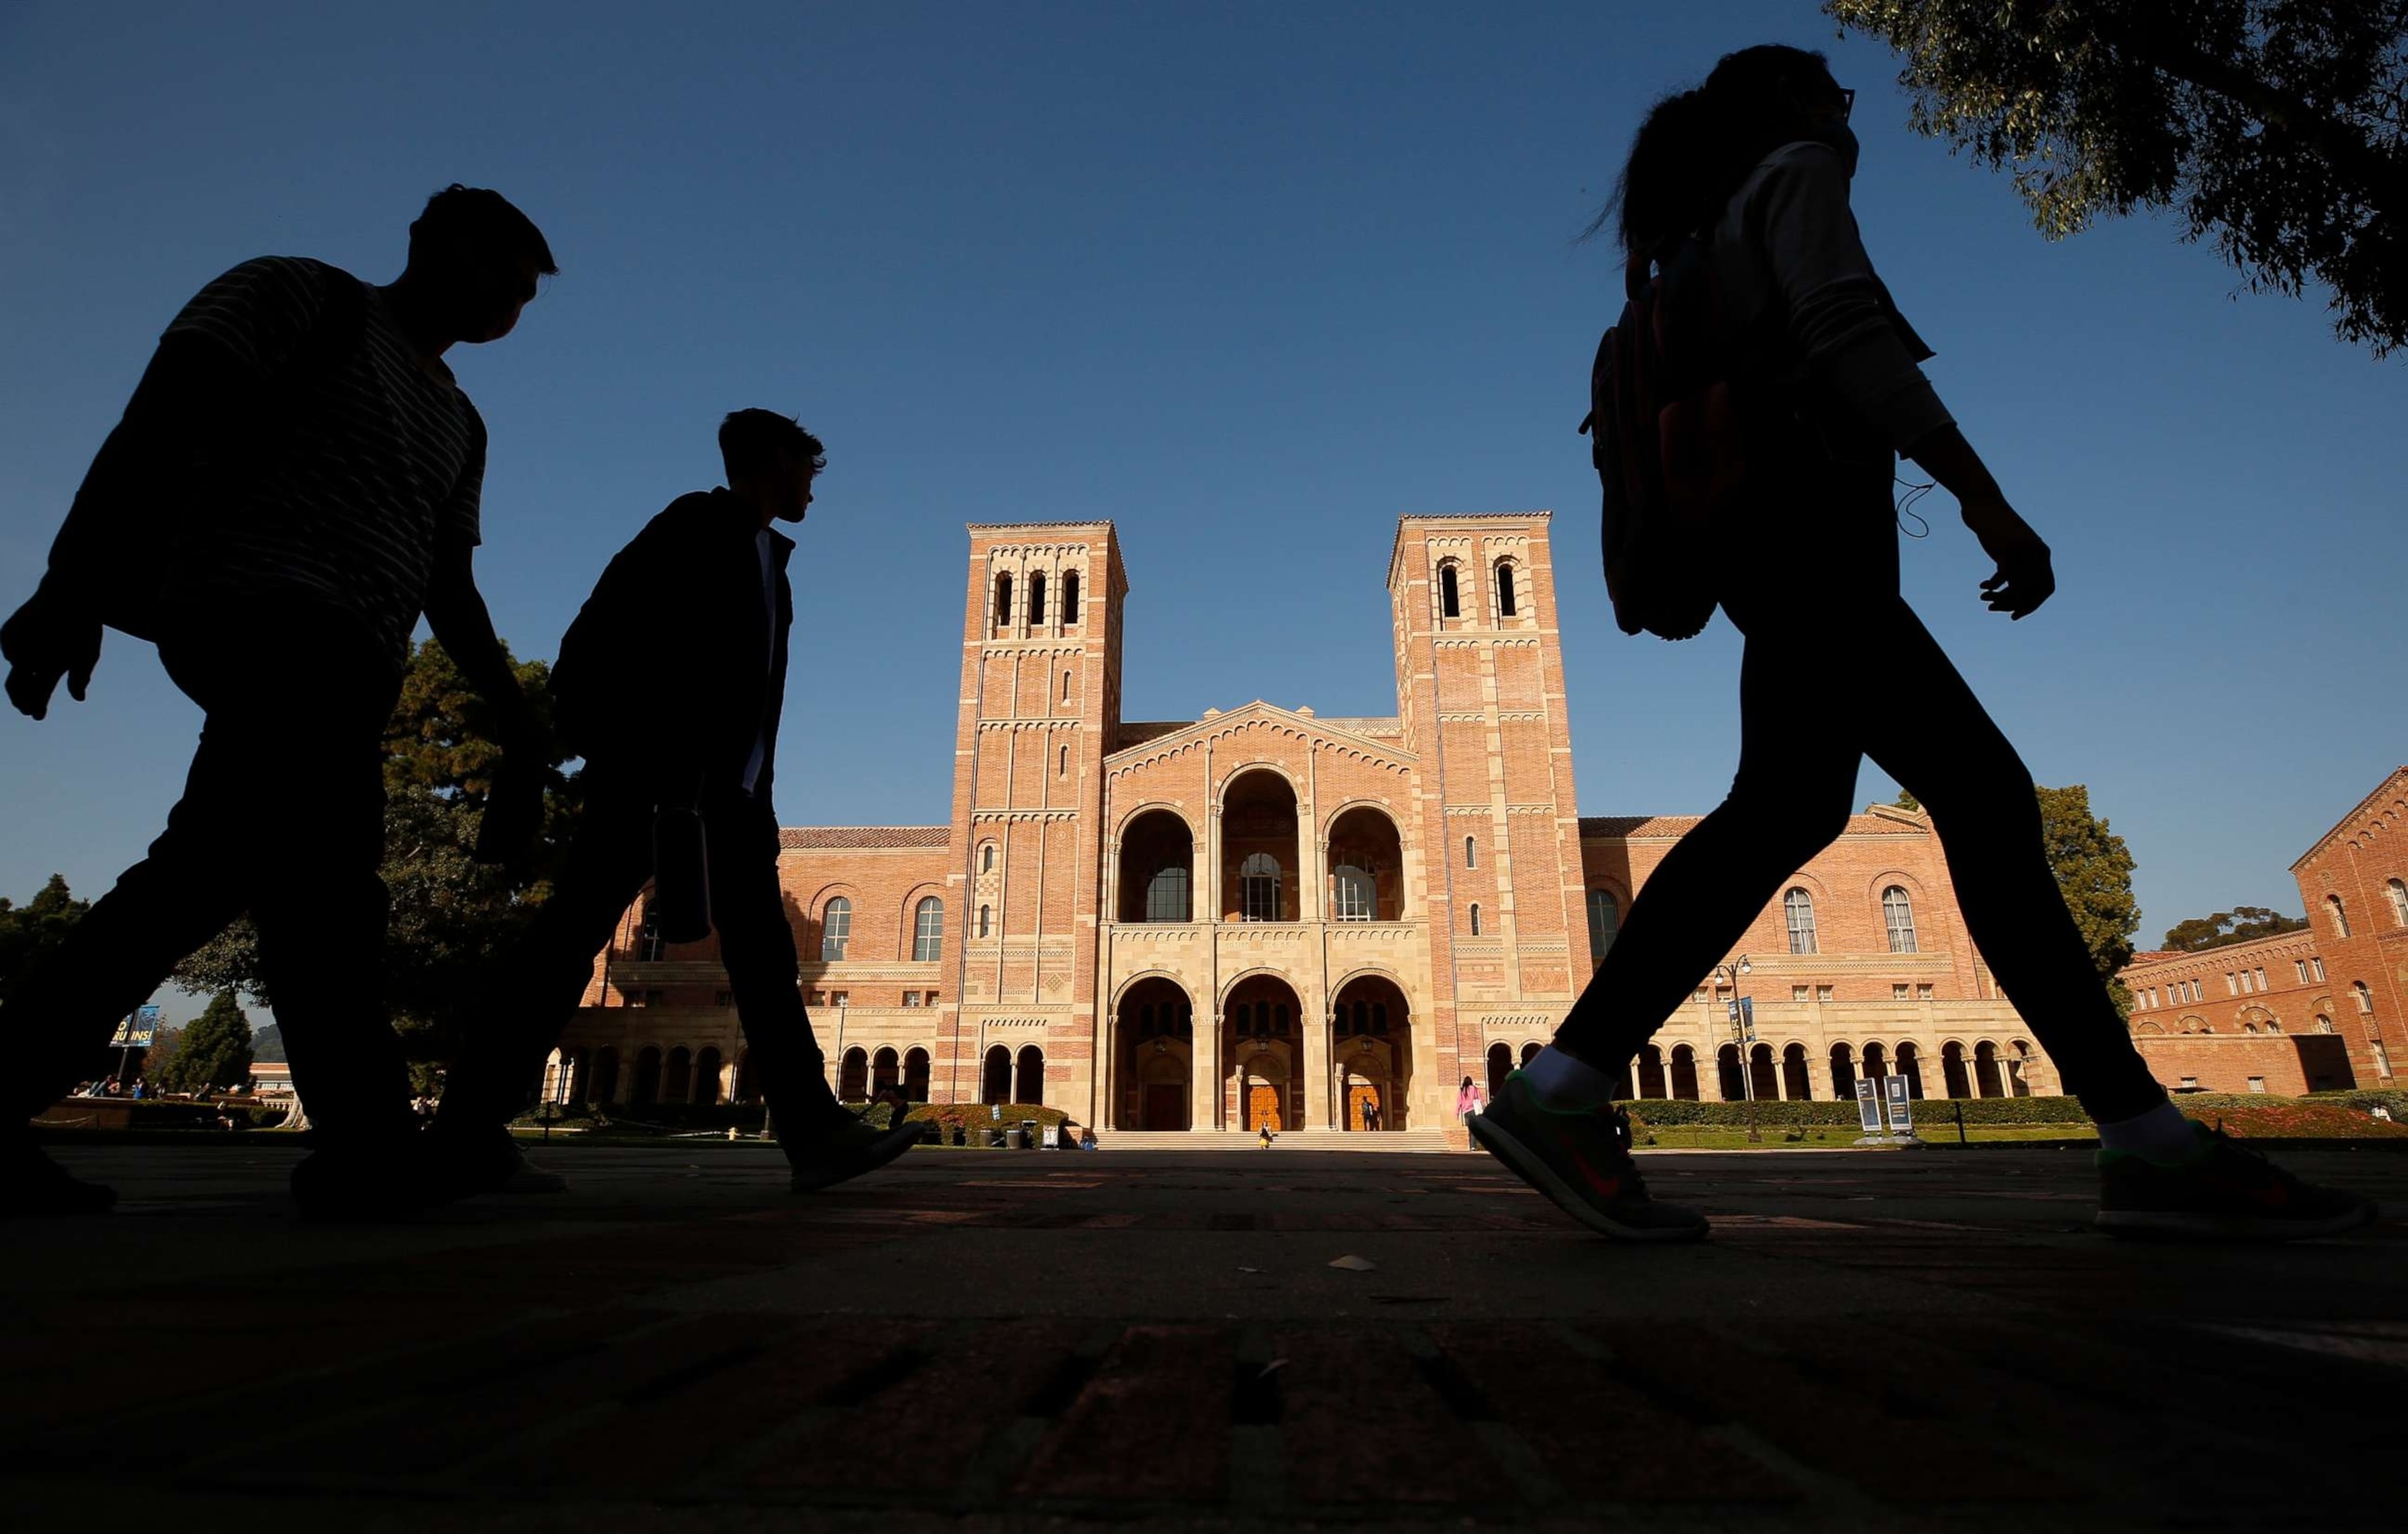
(1898, 918)
(2324, 1024)
(1604, 923)
(1259, 888)
(1167, 893)
(1065, 686)
(1037, 599)
(986, 858)
(1003, 600)
(1507, 604)
(650, 947)
(1470, 853)
(1475, 918)
(835, 929)
(986, 921)
(2398, 891)
(2365, 998)
(1353, 893)
(1797, 911)
(1069, 598)
(1062, 764)
(928, 930)
(2340, 915)
(1449, 595)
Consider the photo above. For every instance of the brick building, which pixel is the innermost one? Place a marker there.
(1263, 915)
(2316, 1010)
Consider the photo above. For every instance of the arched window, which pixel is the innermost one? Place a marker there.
(995, 1076)
(1037, 599)
(2339, 915)
(915, 1074)
(2324, 1024)
(1798, 910)
(676, 1075)
(2397, 890)
(885, 1071)
(1470, 853)
(1167, 893)
(1897, 916)
(1475, 918)
(2365, 998)
(1061, 767)
(986, 858)
(1505, 588)
(1030, 1087)
(1353, 893)
(1003, 600)
(649, 948)
(1069, 598)
(1604, 924)
(836, 928)
(986, 924)
(1450, 601)
(1259, 888)
(927, 929)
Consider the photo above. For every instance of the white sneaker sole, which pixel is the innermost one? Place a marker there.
(1535, 1171)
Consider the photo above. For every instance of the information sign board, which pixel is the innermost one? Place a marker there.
(1869, 1105)
(1901, 1116)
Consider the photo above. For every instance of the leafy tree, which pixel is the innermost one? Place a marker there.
(2094, 871)
(163, 1050)
(452, 915)
(2237, 925)
(214, 1049)
(2274, 128)
(33, 929)
(1908, 801)
(267, 1045)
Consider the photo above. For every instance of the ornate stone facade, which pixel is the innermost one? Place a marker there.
(1262, 915)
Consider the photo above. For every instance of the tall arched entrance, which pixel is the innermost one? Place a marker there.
(1154, 1055)
(1263, 1041)
(1370, 1055)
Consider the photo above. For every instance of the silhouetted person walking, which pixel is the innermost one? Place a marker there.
(669, 684)
(1756, 163)
(294, 482)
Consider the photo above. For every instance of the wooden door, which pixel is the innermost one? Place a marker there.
(1358, 1094)
(1165, 1107)
(1263, 1108)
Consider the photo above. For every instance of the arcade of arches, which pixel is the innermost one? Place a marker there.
(1988, 1069)
(1264, 1058)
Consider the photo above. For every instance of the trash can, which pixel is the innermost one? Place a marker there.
(1015, 1140)
(1028, 1135)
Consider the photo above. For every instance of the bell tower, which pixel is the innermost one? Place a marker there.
(1040, 696)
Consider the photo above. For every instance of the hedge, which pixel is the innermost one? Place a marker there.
(1932, 1113)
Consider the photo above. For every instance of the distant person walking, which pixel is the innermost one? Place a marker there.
(1467, 1100)
(295, 480)
(1758, 162)
(691, 618)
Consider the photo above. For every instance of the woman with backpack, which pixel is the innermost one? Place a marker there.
(1749, 174)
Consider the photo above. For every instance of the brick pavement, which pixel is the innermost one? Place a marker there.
(1871, 1340)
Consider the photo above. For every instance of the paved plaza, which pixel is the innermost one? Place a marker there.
(1049, 1340)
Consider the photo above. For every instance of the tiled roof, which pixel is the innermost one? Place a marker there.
(796, 838)
(1596, 827)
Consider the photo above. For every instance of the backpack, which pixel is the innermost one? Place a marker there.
(1664, 434)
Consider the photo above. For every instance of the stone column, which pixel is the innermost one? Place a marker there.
(1314, 1049)
(1204, 1072)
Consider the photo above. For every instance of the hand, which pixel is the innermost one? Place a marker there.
(2024, 578)
(43, 642)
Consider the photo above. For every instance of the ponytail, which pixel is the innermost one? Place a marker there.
(1695, 147)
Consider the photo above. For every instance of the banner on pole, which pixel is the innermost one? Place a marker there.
(137, 1030)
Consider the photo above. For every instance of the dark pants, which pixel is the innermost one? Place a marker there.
(535, 989)
(282, 816)
(1871, 681)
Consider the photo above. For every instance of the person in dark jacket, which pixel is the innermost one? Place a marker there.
(669, 684)
(1759, 161)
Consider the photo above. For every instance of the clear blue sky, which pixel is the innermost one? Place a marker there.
(1239, 278)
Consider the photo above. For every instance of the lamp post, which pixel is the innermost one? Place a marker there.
(1740, 1020)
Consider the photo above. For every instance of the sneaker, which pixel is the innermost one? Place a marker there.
(1581, 1158)
(2225, 1193)
(33, 1186)
(844, 1149)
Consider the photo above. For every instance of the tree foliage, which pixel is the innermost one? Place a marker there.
(2237, 925)
(2277, 130)
(212, 1051)
(33, 929)
(452, 916)
(2094, 871)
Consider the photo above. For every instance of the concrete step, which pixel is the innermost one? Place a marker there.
(1389, 1140)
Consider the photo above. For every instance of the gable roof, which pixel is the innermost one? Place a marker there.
(828, 837)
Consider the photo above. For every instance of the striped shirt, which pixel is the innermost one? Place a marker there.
(346, 508)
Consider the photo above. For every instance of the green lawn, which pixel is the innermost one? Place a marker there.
(1718, 1138)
